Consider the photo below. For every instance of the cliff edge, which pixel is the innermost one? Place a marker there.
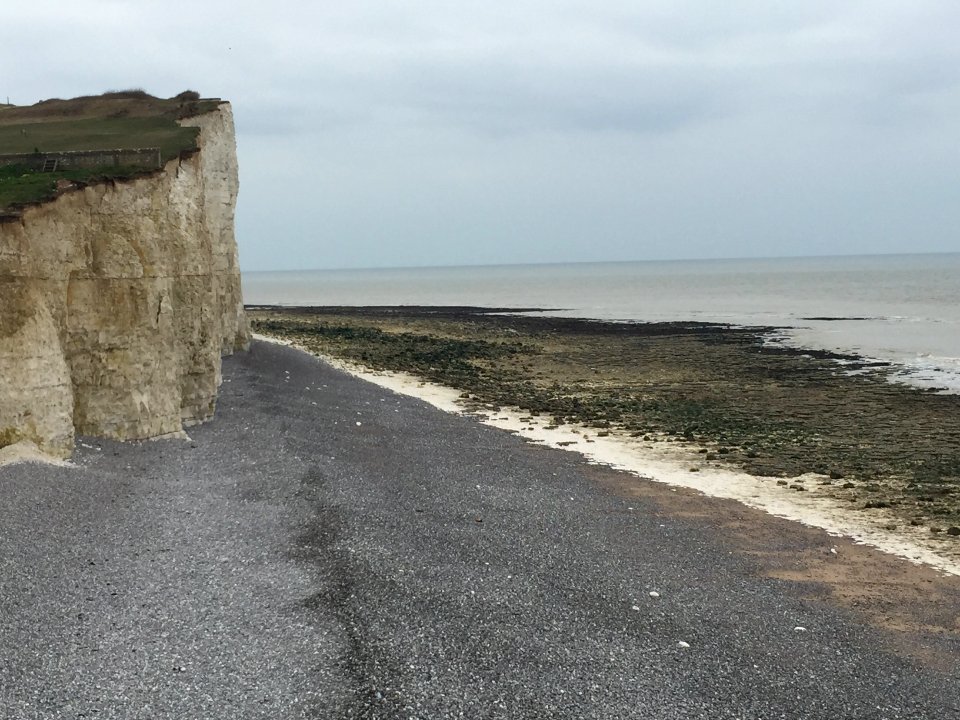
(117, 300)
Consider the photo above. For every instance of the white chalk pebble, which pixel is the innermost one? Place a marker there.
(654, 594)
(635, 607)
(683, 644)
(359, 423)
(798, 628)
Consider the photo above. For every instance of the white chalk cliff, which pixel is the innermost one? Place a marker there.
(117, 301)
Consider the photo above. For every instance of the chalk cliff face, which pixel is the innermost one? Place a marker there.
(118, 300)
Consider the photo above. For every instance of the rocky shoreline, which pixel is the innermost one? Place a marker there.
(795, 417)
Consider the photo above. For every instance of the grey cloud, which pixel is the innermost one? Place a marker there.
(562, 129)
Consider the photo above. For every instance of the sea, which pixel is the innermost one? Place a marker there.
(898, 309)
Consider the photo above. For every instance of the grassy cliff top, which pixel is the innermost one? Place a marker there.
(115, 120)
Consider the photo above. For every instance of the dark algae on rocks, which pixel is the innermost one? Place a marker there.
(722, 390)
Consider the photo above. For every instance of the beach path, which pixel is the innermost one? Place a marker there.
(326, 549)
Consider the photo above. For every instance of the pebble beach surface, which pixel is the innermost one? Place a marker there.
(810, 422)
(326, 548)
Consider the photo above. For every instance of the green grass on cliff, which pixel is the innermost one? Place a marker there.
(19, 186)
(116, 120)
(96, 134)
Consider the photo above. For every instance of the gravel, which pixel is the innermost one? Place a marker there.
(325, 549)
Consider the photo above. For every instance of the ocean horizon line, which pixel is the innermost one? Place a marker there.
(661, 261)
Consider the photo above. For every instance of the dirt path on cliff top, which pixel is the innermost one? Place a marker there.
(326, 549)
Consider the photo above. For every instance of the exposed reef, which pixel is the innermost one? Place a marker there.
(717, 391)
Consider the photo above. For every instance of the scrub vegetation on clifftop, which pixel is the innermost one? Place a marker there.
(122, 120)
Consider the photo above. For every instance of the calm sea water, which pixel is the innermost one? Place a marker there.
(904, 309)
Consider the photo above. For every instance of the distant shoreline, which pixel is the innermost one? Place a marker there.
(902, 310)
(713, 398)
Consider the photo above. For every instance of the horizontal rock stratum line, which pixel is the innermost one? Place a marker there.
(117, 301)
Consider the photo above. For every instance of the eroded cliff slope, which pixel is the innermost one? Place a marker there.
(118, 299)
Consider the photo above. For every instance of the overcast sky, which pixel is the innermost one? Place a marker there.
(439, 132)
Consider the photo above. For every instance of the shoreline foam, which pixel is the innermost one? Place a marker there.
(673, 467)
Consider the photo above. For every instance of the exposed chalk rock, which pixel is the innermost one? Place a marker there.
(117, 301)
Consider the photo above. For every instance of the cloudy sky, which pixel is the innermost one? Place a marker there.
(430, 132)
